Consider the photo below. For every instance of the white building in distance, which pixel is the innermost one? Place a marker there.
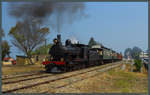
(144, 55)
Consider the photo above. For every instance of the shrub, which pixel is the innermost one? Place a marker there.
(138, 65)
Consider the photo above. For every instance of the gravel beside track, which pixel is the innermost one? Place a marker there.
(42, 85)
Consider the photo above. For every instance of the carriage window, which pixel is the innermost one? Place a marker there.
(100, 52)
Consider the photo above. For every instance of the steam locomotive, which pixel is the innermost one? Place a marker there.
(71, 56)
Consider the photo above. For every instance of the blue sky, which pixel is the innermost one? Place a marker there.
(117, 25)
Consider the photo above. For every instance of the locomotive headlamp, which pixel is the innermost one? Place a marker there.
(46, 59)
(61, 59)
(55, 41)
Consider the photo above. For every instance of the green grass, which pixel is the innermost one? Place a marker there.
(126, 82)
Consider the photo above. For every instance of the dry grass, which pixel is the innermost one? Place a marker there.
(18, 69)
(113, 81)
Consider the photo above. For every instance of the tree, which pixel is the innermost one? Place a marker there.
(2, 33)
(98, 43)
(92, 42)
(136, 52)
(5, 46)
(27, 36)
(127, 52)
(42, 50)
(5, 49)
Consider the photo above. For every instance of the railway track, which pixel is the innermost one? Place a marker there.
(25, 79)
(50, 79)
(21, 75)
(81, 79)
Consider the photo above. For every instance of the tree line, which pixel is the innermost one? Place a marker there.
(133, 53)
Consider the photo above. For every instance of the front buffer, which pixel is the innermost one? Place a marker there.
(54, 66)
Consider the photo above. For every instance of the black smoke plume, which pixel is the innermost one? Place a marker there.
(60, 12)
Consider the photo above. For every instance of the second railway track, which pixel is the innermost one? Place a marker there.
(25, 78)
(5, 77)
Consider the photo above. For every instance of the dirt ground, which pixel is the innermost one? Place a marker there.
(19, 69)
(112, 81)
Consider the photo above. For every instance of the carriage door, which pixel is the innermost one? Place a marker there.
(85, 53)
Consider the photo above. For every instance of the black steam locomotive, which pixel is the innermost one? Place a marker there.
(74, 56)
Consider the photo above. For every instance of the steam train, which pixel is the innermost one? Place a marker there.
(71, 56)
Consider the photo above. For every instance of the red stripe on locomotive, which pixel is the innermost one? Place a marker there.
(55, 62)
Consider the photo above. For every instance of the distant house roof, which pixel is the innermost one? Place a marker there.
(8, 58)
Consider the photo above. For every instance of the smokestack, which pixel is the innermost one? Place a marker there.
(59, 38)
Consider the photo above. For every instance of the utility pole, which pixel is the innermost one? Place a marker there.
(148, 46)
(45, 43)
(111, 57)
(142, 61)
